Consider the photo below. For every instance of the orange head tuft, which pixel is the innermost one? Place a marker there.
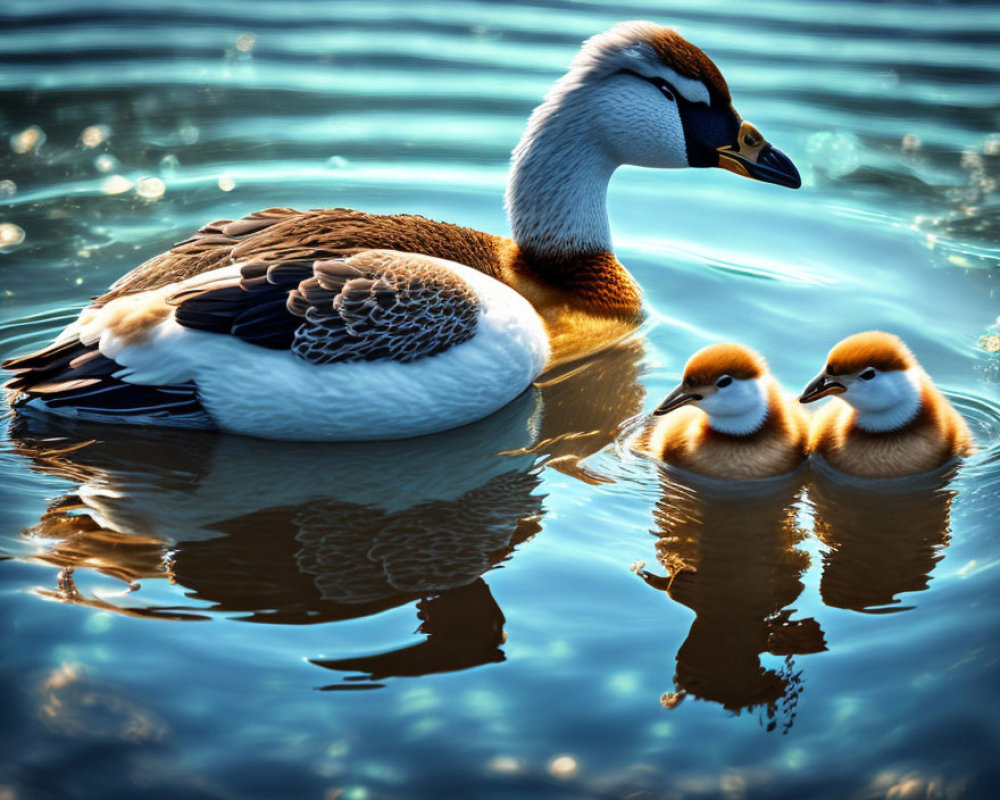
(735, 360)
(877, 349)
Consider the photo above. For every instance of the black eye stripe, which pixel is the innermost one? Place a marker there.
(668, 89)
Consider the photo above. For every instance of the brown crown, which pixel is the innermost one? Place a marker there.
(870, 349)
(681, 56)
(712, 362)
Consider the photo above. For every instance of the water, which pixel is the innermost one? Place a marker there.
(456, 616)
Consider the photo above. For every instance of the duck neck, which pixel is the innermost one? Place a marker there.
(557, 192)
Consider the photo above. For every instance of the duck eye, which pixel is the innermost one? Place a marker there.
(665, 88)
(724, 381)
(829, 369)
(867, 375)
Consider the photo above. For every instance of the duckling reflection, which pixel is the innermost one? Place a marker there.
(732, 557)
(299, 534)
(884, 538)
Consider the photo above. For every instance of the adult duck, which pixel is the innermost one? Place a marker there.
(335, 324)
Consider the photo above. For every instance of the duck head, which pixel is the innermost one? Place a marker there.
(653, 99)
(638, 94)
(729, 382)
(876, 374)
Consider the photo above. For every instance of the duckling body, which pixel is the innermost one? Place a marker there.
(758, 434)
(337, 324)
(889, 420)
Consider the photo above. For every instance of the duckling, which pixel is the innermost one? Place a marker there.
(728, 419)
(889, 420)
(335, 324)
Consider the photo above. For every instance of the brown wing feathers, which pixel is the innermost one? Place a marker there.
(376, 306)
(283, 234)
(75, 374)
(251, 307)
(401, 309)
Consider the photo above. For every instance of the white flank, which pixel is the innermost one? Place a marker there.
(277, 395)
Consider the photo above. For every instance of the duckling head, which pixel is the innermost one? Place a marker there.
(877, 375)
(650, 98)
(730, 383)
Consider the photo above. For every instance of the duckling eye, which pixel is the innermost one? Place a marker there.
(867, 375)
(723, 382)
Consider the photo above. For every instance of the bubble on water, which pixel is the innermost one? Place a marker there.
(101, 622)
(169, 164)
(7, 188)
(337, 162)
(116, 184)
(991, 147)
(105, 162)
(188, 133)
(836, 153)
(95, 135)
(245, 42)
(911, 143)
(624, 682)
(504, 765)
(11, 235)
(150, 188)
(226, 183)
(27, 140)
(971, 160)
(563, 767)
(989, 343)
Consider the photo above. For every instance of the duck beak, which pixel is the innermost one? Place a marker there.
(821, 386)
(677, 398)
(752, 157)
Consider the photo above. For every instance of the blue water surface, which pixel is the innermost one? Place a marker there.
(191, 615)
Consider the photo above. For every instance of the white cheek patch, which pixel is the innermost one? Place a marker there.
(692, 90)
(645, 62)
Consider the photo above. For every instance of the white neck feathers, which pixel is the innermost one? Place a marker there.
(557, 193)
(902, 392)
(738, 410)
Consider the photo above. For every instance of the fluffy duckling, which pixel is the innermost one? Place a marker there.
(889, 420)
(728, 419)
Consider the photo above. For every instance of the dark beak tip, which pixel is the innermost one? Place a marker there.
(780, 169)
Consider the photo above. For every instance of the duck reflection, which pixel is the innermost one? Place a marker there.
(731, 555)
(883, 538)
(296, 533)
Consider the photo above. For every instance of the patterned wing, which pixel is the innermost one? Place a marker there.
(284, 234)
(375, 305)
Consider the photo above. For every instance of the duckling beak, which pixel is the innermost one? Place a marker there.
(677, 398)
(821, 386)
(752, 157)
